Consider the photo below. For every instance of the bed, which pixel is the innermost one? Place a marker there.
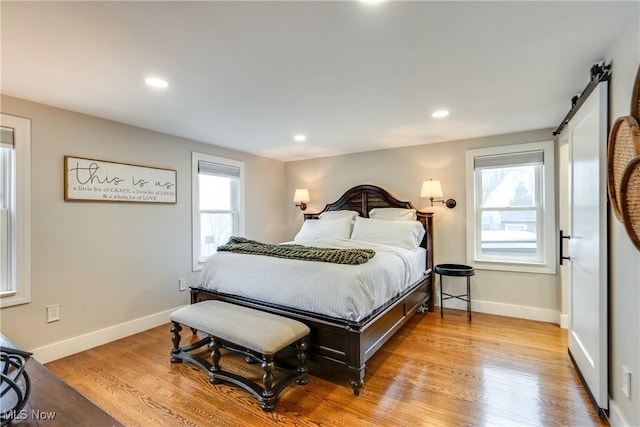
(338, 337)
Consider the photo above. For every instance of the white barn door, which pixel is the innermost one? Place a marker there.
(588, 243)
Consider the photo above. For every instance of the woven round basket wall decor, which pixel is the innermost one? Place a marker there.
(635, 97)
(624, 146)
(630, 200)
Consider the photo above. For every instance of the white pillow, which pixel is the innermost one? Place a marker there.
(313, 230)
(339, 215)
(405, 234)
(394, 214)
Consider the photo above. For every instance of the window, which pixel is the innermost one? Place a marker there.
(217, 197)
(510, 208)
(15, 210)
(7, 208)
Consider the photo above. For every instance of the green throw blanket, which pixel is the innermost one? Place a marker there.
(338, 256)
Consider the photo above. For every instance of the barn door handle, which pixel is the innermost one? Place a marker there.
(562, 257)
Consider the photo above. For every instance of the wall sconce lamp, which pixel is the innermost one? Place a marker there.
(301, 198)
(432, 190)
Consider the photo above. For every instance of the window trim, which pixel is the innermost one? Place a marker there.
(547, 217)
(196, 157)
(22, 254)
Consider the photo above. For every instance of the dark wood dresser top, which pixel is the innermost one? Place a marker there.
(53, 402)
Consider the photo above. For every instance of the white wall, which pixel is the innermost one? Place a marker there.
(114, 267)
(624, 257)
(401, 171)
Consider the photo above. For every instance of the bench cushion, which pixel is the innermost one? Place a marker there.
(257, 330)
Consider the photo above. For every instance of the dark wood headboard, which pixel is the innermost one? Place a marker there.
(363, 198)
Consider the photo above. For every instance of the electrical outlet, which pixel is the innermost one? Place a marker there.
(626, 382)
(182, 284)
(53, 313)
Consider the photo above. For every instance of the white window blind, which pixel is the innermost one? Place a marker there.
(6, 137)
(505, 160)
(218, 169)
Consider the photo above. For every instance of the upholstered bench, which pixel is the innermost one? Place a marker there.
(254, 333)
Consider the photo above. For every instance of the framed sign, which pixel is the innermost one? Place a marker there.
(103, 181)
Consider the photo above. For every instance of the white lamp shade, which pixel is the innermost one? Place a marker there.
(431, 190)
(301, 195)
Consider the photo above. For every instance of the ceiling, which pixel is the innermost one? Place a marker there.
(350, 76)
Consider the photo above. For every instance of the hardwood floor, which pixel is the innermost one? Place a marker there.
(495, 371)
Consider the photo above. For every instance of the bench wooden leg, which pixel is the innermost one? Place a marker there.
(302, 346)
(175, 339)
(180, 354)
(215, 358)
(268, 401)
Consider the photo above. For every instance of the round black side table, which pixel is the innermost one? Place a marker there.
(460, 271)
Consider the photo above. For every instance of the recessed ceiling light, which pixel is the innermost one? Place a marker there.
(299, 138)
(156, 82)
(372, 1)
(440, 114)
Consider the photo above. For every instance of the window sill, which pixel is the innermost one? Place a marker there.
(519, 267)
(10, 299)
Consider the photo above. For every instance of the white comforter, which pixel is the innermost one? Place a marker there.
(349, 292)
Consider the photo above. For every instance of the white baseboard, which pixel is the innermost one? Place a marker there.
(564, 321)
(519, 311)
(84, 342)
(616, 419)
